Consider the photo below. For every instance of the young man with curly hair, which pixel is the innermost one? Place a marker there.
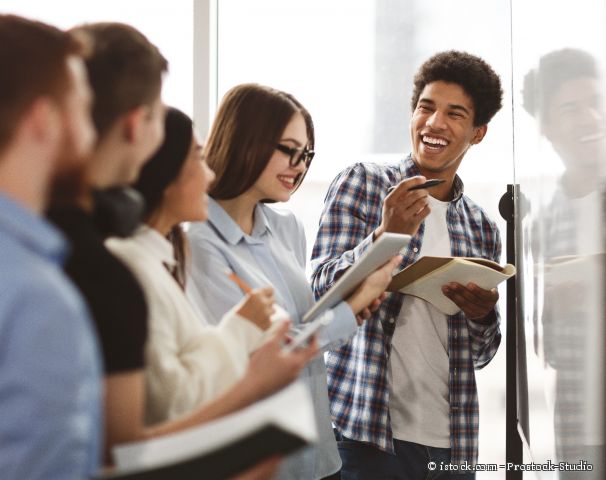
(403, 391)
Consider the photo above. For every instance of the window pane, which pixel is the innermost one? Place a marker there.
(168, 25)
(560, 132)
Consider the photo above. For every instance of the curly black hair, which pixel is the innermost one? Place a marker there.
(473, 74)
(554, 69)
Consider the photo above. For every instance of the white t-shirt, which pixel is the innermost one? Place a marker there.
(418, 365)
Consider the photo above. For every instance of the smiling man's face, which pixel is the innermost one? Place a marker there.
(575, 124)
(442, 128)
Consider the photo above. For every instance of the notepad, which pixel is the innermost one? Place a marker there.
(379, 253)
(426, 277)
(222, 448)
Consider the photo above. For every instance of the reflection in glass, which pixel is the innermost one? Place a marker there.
(564, 95)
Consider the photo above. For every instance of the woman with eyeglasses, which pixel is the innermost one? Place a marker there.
(193, 373)
(260, 147)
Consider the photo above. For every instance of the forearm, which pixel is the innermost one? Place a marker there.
(240, 395)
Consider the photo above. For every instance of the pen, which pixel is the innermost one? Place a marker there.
(428, 184)
(238, 281)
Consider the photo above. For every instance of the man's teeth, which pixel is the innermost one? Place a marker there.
(434, 141)
(290, 180)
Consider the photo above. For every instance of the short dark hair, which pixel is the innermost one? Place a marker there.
(554, 69)
(33, 63)
(124, 69)
(244, 134)
(473, 74)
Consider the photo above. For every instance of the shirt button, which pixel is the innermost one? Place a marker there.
(415, 249)
(392, 320)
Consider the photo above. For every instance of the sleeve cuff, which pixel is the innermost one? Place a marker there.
(483, 330)
(359, 249)
(342, 326)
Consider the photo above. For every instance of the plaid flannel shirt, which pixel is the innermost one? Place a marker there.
(568, 318)
(357, 372)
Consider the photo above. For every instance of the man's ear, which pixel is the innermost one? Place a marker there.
(479, 134)
(43, 122)
(134, 121)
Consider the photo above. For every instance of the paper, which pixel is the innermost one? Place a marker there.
(290, 410)
(426, 277)
(379, 253)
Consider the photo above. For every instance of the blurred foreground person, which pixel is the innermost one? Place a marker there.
(49, 361)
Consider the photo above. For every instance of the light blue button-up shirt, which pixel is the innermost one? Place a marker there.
(273, 254)
(50, 375)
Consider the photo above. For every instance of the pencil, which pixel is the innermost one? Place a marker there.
(238, 281)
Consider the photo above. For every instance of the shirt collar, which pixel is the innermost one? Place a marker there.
(408, 168)
(31, 231)
(156, 244)
(230, 230)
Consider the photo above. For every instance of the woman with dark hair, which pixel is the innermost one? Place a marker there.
(189, 364)
(260, 147)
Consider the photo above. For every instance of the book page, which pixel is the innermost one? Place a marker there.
(290, 409)
(429, 287)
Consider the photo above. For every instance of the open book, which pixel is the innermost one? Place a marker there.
(222, 448)
(425, 278)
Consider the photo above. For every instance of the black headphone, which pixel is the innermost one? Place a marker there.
(118, 211)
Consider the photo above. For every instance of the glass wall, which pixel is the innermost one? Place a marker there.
(560, 147)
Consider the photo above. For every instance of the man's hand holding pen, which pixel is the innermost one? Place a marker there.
(404, 209)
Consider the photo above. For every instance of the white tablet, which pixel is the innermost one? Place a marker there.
(384, 248)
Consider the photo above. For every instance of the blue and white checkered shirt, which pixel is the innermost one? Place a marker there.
(357, 372)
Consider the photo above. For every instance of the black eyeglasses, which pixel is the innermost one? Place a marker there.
(297, 155)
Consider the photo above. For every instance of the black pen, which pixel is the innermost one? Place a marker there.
(428, 184)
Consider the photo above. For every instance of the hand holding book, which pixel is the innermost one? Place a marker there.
(475, 302)
(426, 278)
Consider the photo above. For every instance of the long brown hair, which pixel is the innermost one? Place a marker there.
(244, 134)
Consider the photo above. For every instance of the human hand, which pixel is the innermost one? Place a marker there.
(475, 302)
(258, 306)
(271, 368)
(403, 210)
(365, 313)
(368, 296)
